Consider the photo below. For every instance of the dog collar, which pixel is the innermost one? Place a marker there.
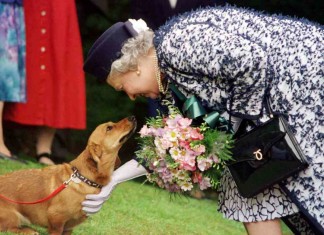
(84, 179)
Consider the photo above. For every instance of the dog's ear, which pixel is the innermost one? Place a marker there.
(95, 151)
(117, 163)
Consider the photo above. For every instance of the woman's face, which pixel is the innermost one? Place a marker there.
(138, 83)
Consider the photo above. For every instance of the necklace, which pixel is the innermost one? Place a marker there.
(158, 76)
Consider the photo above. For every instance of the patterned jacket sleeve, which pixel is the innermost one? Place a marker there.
(216, 59)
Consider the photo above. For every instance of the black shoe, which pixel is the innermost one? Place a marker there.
(45, 155)
(12, 158)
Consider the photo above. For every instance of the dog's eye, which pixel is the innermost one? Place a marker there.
(109, 128)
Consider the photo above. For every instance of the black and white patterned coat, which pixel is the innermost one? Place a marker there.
(229, 54)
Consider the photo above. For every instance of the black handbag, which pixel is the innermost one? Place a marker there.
(264, 156)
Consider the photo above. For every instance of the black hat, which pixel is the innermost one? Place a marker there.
(106, 49)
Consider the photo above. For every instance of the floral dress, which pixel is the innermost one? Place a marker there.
(12, 53)
(227, 55)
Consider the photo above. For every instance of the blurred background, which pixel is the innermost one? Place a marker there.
(103, 103)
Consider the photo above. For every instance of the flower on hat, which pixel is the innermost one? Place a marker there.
(139, 25)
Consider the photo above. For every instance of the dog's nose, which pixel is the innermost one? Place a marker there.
(132, 118)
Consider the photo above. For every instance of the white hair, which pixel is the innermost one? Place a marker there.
(131, 51)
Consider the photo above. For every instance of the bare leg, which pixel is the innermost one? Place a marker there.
(269, 227)
(3, 147)
(44, 143)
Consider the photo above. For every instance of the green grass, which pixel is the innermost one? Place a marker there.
(135, 208)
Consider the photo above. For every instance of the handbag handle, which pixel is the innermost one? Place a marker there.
(249, 122)
(266, 101)
(268, 107)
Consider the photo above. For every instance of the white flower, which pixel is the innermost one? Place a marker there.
(175, 153)
(139, 25)
(186, 186)
(155, 163)
(181, 175)
(171, 135)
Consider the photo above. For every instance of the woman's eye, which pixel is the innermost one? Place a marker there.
(109, 128)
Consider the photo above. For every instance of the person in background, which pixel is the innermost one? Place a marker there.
(12, 62)
(230, 59)
(55, 79)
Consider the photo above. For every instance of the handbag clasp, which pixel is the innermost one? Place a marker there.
(258, 154)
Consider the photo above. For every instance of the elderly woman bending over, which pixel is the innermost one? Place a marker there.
(227, 55)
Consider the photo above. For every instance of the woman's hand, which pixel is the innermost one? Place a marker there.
(130, 170)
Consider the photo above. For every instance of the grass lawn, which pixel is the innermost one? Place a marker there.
(139, 209)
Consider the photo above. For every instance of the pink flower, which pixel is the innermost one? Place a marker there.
(195, 134)
(196, 177)
(184, 144)
(184, 122)
(166, 144)
(188, 167)
(144, 131)
(204, 164)
(147, 131)
(204, 183)
(199, 149)
(173, 122)
(172, 187)
(162, 144)
(159, 132)
(189, 163)
(166, 176)
(214, 158)
(184, 135)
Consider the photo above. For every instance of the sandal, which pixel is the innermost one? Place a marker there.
(12, 158)
(45, 159)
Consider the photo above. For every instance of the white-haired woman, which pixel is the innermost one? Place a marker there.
(227, 56)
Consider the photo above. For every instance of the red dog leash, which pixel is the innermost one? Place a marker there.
(58, 190)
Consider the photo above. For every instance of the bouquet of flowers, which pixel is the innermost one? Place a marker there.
(181, 156)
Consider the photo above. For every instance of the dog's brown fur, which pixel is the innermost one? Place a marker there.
(64, 211)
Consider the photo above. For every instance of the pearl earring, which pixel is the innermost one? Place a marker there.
(138, 72)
